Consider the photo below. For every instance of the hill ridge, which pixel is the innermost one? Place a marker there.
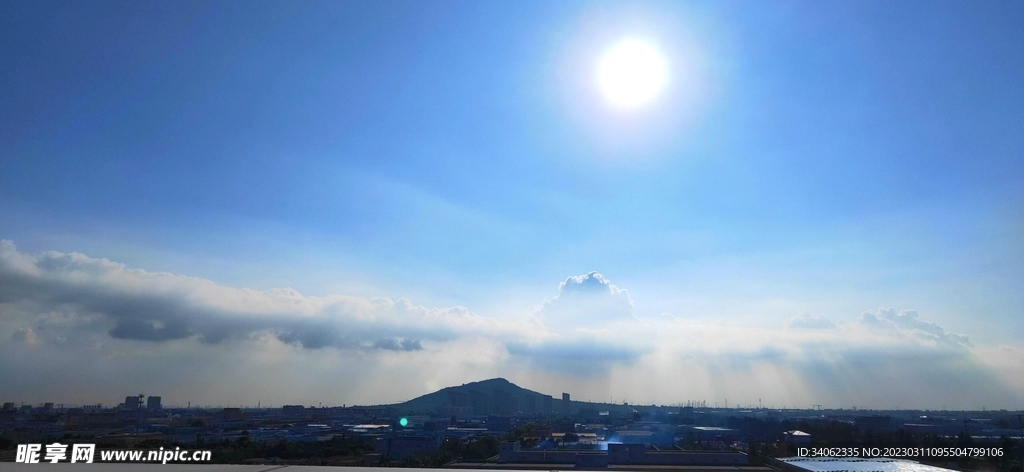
(496, 395)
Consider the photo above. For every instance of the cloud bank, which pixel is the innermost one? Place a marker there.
(159, 307)
(103, 328)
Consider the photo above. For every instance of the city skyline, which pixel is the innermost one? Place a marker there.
(155, 403)
(344, 202)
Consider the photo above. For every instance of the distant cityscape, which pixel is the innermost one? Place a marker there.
(497, 422)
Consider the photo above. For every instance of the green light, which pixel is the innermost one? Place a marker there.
(403, 422)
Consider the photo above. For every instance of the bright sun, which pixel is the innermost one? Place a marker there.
(631, 74)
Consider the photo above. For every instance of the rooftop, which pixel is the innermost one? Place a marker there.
(860, 465)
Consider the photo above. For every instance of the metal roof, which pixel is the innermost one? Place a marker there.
(860, 465)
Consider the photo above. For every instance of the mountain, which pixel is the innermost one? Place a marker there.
(487, 397)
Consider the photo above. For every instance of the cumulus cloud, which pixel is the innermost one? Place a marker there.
(881, 328)
(581, 336)
(586, 301)
(907, 322)
(158, 307)
(26, 336)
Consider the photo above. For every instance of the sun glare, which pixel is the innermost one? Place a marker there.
(631, 74)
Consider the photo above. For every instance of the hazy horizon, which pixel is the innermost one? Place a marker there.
(227, 203)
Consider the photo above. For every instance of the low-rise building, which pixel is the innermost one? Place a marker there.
(617, 454)
(797, 437)
(401, 447)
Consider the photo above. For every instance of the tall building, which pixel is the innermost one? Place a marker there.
(153, 403)
(504, 403)
(530, 404)
(566, 404)
(480, 401)
(458, 398)
(132, 402)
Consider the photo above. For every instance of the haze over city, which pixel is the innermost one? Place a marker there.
(787, 204)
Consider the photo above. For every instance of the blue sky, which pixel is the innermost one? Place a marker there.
(805, 157)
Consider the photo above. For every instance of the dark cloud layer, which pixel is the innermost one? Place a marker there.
(393, 344)
(160, 307)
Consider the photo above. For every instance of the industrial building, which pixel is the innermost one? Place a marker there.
(132, 402)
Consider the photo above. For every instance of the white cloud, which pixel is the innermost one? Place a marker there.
(106, 329)
(586, 301)
(26, 336)
(809, 321)
(579, 322)
(906, 322)
(159, 307)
